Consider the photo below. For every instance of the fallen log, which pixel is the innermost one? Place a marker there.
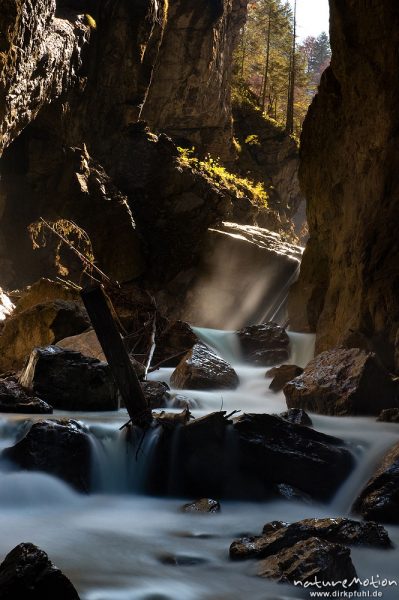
(99, 309)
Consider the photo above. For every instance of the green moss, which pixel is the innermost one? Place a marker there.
(220, 177)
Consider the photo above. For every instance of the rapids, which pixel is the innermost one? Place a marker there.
(115, 543)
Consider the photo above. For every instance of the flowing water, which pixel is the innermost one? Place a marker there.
(116, 543)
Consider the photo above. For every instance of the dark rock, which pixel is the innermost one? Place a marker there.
(156, 393)
(27, 573)
(389, 415)
(297, 416)
(60, 448)
(202, 369)
(282, 375)
(175, 341)
(278, 535)
(181, 560)
(273, 450)
(205, 505)
(264, 344)
(379, 501)
(288, 492)
(310, 560)
(41, 325)
(70, 381)
(14, 399)
(343, 382)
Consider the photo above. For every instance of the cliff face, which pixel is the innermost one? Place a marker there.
(72, 91)
(349, 173)
(189, 96)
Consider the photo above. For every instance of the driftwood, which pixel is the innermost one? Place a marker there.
(99, 310)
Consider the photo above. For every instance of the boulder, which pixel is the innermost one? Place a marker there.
(310, 560)
(343, 382)
(265, 344)
(39, 326)
(297, 416)
(389, 415)
(70, 381)
(14, 399)
(27, 573)
(204, 505)
(202, 369)
(177, 339)
(282, 375)
(278, 535)
(45, 290)
(59, 448)
(379, 500)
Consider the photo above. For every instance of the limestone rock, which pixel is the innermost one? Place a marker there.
(202, 369)
(59, 448)
(343, 382)
(70, 381)
(14, 399)
(27, 572)
(379, 500)
(282, 375)
(41, 325)
(265, 344)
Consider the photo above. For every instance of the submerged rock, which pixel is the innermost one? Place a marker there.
(282, 375)
(297, 416)
(204, 505)
(379, 500)
(202, 369)
(310, 560)
(278, 535)
(343, 382)
(175, 341)
(14, 399)
(70, 381)
(59, 448)
(27, 573)
(41, 325)
(265, 344)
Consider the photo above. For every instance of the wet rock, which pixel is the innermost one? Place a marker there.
(282, 375)
(343, 382)
(175, 341)
(379, 500)
(204, 505)
(70, 381)
(59, 448)
(202, 369)
(278, 535)
(389, 415)
(288, 492)
(27, 573)
(14, 399)
(41, 325)
(264, 345)
(308, 560)
(182, 560)
(297, 416)
(156, 393)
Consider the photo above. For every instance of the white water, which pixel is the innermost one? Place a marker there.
(112, 542)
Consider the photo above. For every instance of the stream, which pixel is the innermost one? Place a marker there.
(116, 543)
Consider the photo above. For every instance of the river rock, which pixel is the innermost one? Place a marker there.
(14, 399)
(156, 393)
(278, 535)
(70, 381)
(264, 345)
(59, 448)
(204, 505)
(379, 500)
(389, 415)
(343, 382)
(297, 416)
(28, 574)
(282, 375)
(202, 369)
(310, 560)
(41, 325)
(176, 340)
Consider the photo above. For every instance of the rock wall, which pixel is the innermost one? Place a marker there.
(349, 282)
